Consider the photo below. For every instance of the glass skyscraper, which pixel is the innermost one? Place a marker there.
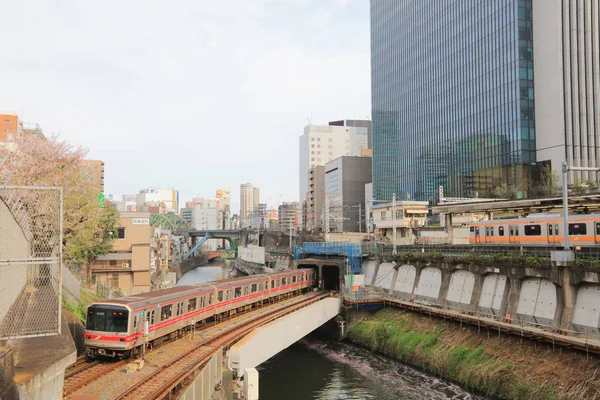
(452, 97)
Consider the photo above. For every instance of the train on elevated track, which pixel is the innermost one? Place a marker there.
(115, 328)
(537, 230)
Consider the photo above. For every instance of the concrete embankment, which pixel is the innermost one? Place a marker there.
(190, 264)
(497, 365)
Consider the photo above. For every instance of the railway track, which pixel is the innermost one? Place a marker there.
(88, 373)
(161, 382)
(84, 373)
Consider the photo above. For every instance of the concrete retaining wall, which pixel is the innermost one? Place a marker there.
(555, 297)
(253, 254)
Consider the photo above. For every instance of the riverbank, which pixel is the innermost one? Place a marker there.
(497, 366)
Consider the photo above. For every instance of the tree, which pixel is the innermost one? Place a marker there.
(50, 161)
(546, 185)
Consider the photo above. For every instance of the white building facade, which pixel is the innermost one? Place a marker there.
(154, 197)
(323, 143)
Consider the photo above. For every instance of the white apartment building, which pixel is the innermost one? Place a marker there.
(323, 143)
(154, 197)
(249, 199)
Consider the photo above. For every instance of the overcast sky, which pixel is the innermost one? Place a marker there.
(191, 95)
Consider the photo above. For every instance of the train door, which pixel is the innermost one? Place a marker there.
(597, 232)
(511, 234)
(550, 233)
(477, 237)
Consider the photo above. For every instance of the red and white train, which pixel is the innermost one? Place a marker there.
(115, 328)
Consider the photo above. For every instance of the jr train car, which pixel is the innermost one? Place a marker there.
(537, 229)
(115, 328)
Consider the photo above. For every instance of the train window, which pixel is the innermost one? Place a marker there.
(472, 229)
(272, 284)
(516, 230)
(166, 312)
(512, 230)
(191, 305)
(152, 318)
(220, 296)
(533, 230)
(283, 281)
(246, 290)
(550, 233)
(253, 288)
(210, 299)
(178, 309)
(500, 231)
(597, 228)
(238, 292)
(577, 229)
(135, 320)
(293, 279)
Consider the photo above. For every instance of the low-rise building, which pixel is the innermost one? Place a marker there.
(406, 216)
(288, 216)
(127, 268)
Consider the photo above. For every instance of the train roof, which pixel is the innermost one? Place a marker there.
(540, 217)
(159, 296)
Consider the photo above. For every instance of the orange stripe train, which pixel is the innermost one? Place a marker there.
(537, 229)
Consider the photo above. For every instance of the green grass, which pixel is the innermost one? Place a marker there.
(470, 367)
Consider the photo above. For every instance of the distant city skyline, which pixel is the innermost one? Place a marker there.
(195, 97)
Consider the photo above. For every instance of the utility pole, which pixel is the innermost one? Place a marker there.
(290, 236)
(359, 217)
(368, 217)
(394, 222)
(326, 219)
(565, 169)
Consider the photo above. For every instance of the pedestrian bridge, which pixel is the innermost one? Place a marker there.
(231, 235)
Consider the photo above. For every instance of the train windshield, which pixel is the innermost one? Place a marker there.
(107, 319)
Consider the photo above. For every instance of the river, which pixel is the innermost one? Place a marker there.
(322, 369)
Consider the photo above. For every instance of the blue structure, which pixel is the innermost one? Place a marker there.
(229, 235)
(352, 251)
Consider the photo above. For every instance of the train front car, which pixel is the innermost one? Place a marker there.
(108, 331)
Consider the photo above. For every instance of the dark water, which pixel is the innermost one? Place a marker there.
(328, 370)
(319, 369)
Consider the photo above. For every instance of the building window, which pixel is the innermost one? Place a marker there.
(319, 146)
(120, 233)
(383, 215)
(312, 146)
(115, 281)
(330, 140)
(318, 152)
(330, 146)
(312, 152)
(312, 159)
(318, 160)
(318, 139)
(112, 263)
(312, 139)
(330, 153)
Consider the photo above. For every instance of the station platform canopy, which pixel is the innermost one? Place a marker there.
(582, 204)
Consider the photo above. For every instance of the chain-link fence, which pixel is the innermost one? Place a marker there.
(30, 261)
